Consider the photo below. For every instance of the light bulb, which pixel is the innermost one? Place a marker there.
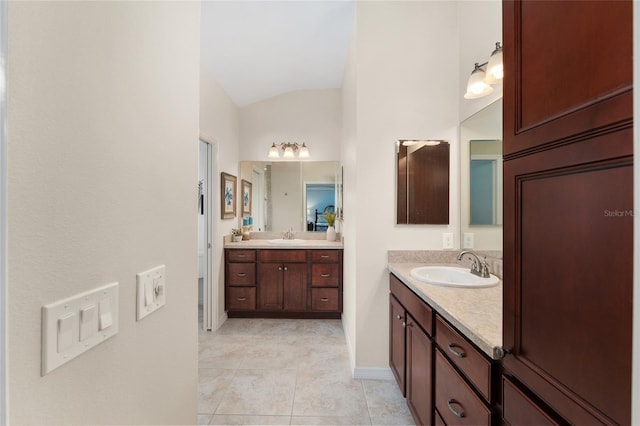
(304, 151)
(273, 152)
(288, 152)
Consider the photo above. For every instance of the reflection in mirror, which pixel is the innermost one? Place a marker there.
(481, 179)
(422, 182)
(292, 194)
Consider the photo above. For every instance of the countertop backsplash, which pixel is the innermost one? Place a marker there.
(446, 257)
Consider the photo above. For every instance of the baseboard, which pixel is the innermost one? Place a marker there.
(373, 373)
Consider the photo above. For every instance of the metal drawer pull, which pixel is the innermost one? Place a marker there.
(325, 256)
(241, 255)
(325, 275)
(456, 353)
(242, 274)
(324, 299)
(242, 299)
(459, 414)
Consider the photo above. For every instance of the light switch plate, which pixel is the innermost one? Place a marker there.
(151, 291)
(59, 344)
(447, 240)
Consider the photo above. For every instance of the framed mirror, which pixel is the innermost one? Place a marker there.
(481, 179)
(292, 194)
(422, 182)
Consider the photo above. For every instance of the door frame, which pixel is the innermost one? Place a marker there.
(3, 214)
(209, 295)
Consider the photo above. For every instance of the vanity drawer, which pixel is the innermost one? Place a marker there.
(324, 275)
(241, 298)
(241, 274)
(325, 256)
(455, 401)
(420, 311)
(282, 255)
(324, 299)
(465, 356)
(241, 255)
(519, 409)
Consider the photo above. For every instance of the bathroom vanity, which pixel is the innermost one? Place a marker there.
(445, 347)
(300, 280)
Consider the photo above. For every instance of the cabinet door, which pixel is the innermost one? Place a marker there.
(295, 286)
(419, 372)
(270, 287)
(397, 341)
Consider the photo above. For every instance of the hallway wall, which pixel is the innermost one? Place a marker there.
(102, 110)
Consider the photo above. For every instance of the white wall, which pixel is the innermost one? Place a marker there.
(103, 117)
(219, 125)
(400, 87)
(309, 116)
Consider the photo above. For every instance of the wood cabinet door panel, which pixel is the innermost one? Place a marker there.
(569, 263)
(270, 287)
(419, 373)
(325, 299)
(519, 409)
(241, 274)
(467, 358)
(325, 275)
(568, 69)
(282, 255)
(236, 255)
(455, 400)
(295, 287)
(325, 255)
(241, 298)
(397, 341)
(422, 312)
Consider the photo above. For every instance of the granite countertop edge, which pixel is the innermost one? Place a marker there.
(483, 328)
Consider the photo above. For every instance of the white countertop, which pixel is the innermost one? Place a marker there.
(476, 313)
(304, 244)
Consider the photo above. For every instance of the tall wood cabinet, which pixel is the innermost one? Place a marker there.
(568, 225)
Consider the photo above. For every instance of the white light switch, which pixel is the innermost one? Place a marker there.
(106, 319)
(151, 291)
(88, 326)
(65, 331)
(70, 326)
(447, 240)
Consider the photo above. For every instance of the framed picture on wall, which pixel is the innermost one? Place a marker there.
(246, 197)
(228, 195)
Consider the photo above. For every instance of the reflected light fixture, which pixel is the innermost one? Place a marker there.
(481, 79)
(289, 150)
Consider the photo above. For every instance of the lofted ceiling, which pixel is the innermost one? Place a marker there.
(259, 49)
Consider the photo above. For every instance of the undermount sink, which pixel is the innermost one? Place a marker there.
(451, 276)
(283, 241)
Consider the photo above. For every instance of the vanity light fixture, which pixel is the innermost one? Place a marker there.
(427, 142)
(481, 79)
(289, 150)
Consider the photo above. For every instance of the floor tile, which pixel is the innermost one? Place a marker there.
(212, 386)
(224, 419)
(330, 420)
(259, 392)
(203, 420)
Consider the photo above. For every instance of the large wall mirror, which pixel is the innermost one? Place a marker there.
(481, 179)
(422, 179)
(292, 194)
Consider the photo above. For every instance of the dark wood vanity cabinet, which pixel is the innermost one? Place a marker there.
(446, 379)
(411, 349)
(287, 283)
(568, 211)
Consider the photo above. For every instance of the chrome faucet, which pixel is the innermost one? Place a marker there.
(479, 267)
(289, 235)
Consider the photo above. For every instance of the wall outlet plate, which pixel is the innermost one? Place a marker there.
(447, 240)
(467, 240)
(151, 291)
(76, 324)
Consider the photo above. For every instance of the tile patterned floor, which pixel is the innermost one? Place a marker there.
(288, 372)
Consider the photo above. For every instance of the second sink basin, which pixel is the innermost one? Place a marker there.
(451, 276)
(283, 241)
